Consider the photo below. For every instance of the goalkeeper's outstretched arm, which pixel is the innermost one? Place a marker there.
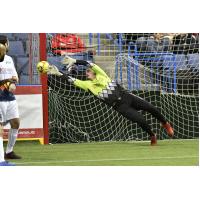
(97, 78)
(53, 70)
(71, 61)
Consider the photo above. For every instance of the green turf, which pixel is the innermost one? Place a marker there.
(166, 153)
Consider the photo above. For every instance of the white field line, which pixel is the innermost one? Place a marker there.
(132, 142)
(108, 159)
(147, 141)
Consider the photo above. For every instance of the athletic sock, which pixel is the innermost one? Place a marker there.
(12, 136)
(1, 150)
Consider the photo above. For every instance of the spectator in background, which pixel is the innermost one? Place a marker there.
(130, 37)
(159, 42)
(62, 43)
(184, 43)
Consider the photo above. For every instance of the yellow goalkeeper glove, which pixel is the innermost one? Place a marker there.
(68, 61)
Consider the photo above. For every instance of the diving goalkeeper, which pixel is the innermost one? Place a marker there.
(100, 85)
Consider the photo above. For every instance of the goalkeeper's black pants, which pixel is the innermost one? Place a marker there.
(129, 105)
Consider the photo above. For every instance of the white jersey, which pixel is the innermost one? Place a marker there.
(7, 71)
(7, 68)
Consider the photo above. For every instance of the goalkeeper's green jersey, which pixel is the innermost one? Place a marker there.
(102, 86)
(97, 85)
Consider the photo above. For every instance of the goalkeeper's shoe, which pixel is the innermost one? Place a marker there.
(54, 70)
(153, 140)
(6, 163)
(12, 155)
(168, 129)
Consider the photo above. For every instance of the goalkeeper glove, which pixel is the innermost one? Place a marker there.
(70, 79)
(54, 70)
(68, 61)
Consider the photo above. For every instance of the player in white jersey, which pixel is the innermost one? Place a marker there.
(2, 160)
(8, 103)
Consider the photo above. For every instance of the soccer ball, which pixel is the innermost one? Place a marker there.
(43, 67)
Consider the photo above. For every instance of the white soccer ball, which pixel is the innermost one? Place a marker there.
(43, 67)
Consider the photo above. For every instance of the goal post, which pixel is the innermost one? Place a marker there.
(165, 77)
(43, 56)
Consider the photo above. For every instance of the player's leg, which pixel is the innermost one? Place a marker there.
(140, 104)
(1, 143)
(134, 116)
(12, 137)
(2, 160)
(13, 118)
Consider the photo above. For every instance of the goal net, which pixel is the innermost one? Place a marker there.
(165, 73)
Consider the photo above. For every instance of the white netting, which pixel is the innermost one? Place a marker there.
(173, 87)
(77, 116)
(163, 76)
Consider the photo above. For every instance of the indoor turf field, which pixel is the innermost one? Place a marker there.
(166, 153)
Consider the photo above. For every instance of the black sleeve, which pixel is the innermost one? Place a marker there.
(82, 62)
(64, 76)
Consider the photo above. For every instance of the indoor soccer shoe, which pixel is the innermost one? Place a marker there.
(153, 140)
(168, 129)
(6, 163)
(11, 155)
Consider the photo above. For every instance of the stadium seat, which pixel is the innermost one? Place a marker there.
(78, 57)
(172, 61)
(55, 60)
(16, 48)
(10, 36)
(35, 79)
(82, 56)
(24, 79)
(180, 61)
(193, 60)
(167, 61)
(22, 65)
(21, 36)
